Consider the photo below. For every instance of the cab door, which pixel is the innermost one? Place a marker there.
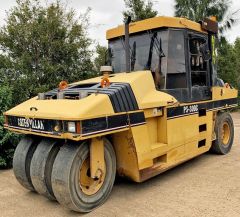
(199, 70)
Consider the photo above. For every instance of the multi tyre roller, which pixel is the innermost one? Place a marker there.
(154, 122)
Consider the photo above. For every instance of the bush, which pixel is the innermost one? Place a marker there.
(8, 140)
(43, 45)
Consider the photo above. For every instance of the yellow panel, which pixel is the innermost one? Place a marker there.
(190, 148)
(162, 128)
(182, 130)
(219, 93)
(159, 168)
(97, 162)
(142, 145)
(154, 23)
(175, 154)
(127, 162)
(158, 149)
(152, 129)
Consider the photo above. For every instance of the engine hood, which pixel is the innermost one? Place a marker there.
(86, 99)
(94, 105)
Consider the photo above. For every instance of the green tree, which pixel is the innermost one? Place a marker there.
(43, 45)
(227, 63)
(237, 55)
(100, 59)
(205, 8)
(139, 10)
(8, 140)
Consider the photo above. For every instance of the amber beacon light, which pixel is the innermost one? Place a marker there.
(63, 85)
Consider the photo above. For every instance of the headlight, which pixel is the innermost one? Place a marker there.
(71, 127)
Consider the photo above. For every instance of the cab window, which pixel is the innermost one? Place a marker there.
(176, 65)
(197, 63)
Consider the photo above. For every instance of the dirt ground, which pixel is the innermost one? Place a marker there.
(208, 185)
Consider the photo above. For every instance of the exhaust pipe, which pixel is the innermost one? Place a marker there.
(127, 46)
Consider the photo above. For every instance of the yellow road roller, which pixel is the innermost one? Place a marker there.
(157, 104)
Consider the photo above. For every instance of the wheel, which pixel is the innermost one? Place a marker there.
(22, 159)
(224, 130)
(41, 167)
(71, 181)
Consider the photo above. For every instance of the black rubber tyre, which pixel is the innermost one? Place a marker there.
(65, 177)
(41, 167)
(22, 159)
(219, 146)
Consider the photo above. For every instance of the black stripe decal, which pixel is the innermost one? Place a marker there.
(186, 110)
(120, 95)
(136, 118)
(109, 123)
(126, 95)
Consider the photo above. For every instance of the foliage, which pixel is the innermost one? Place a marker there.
(100, 59)
(139, 10)
(237, 54)
(43, 45)
(8, 140)
(228, 63)
(206, 8)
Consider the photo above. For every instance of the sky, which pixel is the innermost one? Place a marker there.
(107, 14)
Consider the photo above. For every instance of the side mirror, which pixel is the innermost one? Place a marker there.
(206, 54)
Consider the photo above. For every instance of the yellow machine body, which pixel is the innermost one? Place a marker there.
(159, 135)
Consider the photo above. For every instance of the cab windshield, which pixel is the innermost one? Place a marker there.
(161, 51)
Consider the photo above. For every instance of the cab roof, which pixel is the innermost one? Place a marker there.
(154, 23)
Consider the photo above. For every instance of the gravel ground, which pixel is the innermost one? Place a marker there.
(208, 185)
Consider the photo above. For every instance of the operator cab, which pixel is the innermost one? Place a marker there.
(179, 59)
